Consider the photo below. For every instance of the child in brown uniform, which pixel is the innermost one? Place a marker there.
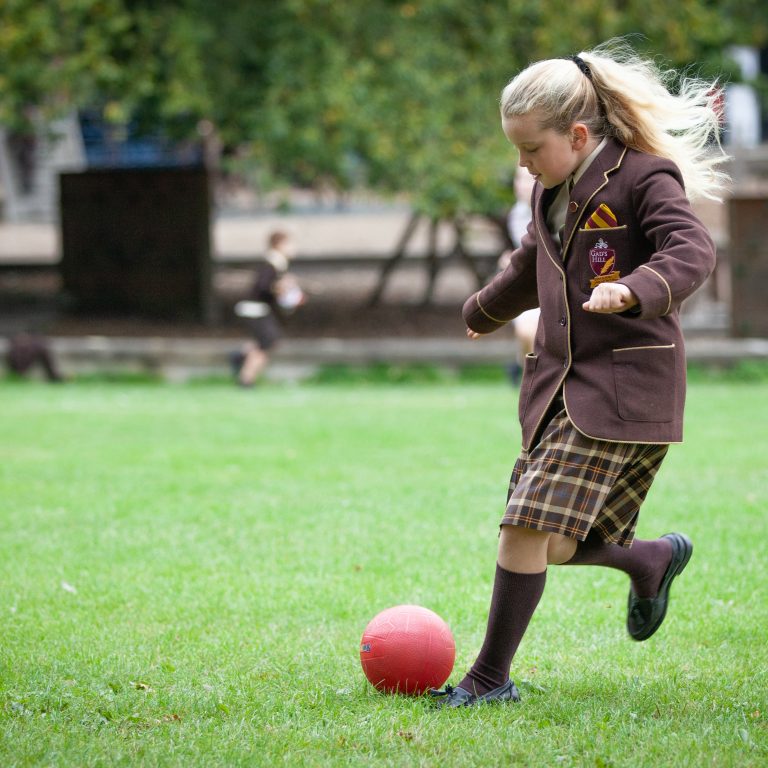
(612, 250)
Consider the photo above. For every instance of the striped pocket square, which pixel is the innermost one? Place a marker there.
(602, 218)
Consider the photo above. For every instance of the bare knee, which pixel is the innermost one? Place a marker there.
(560, 549)
(523, 550)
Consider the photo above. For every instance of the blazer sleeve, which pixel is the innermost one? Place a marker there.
(684, 254)
(509, 293)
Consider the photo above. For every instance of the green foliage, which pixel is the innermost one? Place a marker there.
(742, 371)
(119, 377)
(125, 57)
(400, 96)
(407, 374)
(380, 374)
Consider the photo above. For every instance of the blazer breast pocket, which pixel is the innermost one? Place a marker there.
(602, 254)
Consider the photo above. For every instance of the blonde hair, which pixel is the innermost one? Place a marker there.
(627, 97)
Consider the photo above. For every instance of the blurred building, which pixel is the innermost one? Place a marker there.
(29, 166)
(744, 118)
(107, 145)
(31, 162)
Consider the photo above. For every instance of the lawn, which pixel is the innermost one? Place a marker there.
(186, 571)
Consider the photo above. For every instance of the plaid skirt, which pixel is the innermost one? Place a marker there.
(570, 484)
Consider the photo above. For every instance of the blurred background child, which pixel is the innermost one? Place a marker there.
(275, 293)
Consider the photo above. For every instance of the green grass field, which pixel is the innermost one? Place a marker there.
(186, 572)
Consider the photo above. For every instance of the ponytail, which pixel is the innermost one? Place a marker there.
(616, 93)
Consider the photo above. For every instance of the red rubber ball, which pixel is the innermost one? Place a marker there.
(407, 649)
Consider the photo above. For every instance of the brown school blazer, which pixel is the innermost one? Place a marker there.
(623, 375)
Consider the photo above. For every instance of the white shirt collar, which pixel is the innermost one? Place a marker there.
(277, 260)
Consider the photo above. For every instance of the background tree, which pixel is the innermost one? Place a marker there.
(401, 96)
(122, 56)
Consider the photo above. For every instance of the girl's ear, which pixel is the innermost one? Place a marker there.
(579, 136)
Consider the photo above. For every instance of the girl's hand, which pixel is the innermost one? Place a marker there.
(473, 334)
(610, 297)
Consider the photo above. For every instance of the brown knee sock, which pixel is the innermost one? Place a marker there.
(645, 561)
(515, 597)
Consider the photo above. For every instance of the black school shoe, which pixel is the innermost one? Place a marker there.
(645, 614)
(236, 360)
(458, 697)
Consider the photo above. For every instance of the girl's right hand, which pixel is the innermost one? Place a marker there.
(473, 334)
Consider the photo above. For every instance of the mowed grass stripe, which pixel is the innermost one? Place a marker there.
(186, 572)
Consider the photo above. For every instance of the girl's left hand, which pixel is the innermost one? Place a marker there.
(610, 297)
(473, 334)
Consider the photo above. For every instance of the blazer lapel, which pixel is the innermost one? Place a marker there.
(593, 180)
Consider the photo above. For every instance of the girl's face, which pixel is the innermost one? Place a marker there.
(550, 157)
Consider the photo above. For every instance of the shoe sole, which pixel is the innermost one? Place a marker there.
(666, 583)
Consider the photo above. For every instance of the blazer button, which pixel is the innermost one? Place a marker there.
(565, 363)
(562, 321)
(573, 206)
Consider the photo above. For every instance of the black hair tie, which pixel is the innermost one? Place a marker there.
(582, 65)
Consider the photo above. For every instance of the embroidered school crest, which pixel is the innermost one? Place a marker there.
(602, 259)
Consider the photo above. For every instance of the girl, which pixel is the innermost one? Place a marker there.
(612, 250)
